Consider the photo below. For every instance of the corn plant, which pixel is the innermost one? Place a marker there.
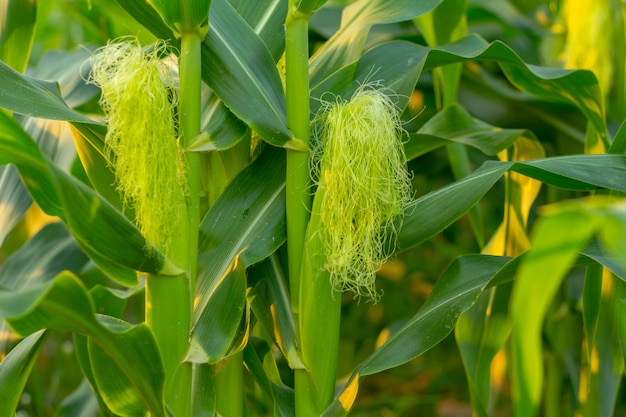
(190, 199)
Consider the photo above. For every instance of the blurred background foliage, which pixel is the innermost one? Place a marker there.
(434, 384)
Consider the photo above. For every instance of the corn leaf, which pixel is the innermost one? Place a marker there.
(240, 69)
(269, 300)
(424, 217)
(48, 253)
(31, 97)
(17, 32)
(244, 226)
(578, 88)
(64, 304)
(15, 369)
(455, 124)
(96, 225)
(347, 44)
(267, 19)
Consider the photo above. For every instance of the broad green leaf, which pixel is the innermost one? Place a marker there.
(89, 142)
(218, 324)
(17, 32)
(51, 137)
(69, 69)
(267, 19)
(15, 369)
(454, 123)
(347, 44)
(425, 217)
(51, 251)
(116, 384)
(455, 291)
(556, 243)
(148, 17)
(241, 71)
(64, 304)
(97, 226)
(31, 97)
(244, 226)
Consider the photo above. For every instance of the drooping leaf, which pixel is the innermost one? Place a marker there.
(244, 226)
(96, 225)
(64, 304)
(347, 44)
(31, 97)
(425, 217)
(45, 255)
(15, 369)
(455, 124)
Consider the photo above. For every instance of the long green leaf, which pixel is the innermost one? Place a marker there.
(15, 370)
(17, 32)
(425, 217)
(31, 97)
(244, 226)
(455, 124)
(455, 291)
(347, 44)
(97, 225)
(242, 72)
(64, 304)
(45, 255)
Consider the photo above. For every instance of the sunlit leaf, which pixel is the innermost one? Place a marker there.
(17, 32)
(96, 225)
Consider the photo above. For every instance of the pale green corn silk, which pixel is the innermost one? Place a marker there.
(137, 91)
(359, 156)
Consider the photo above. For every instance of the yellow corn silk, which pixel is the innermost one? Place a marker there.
(361, 164)
(138, 98)
(590, 35)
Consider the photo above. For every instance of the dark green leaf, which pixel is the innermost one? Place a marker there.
(244, 226)
(28, 96)
(64, 304)
(98, 226)
(15, 370)
(240, 69)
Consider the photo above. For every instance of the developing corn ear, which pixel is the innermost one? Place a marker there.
(137, 97)
(361, 163)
